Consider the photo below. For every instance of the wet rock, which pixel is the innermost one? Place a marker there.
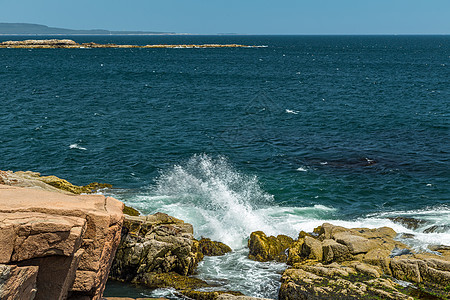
(399, 252)
(437, 229)
(406, 236)
(438, 247)
(410, 223)
(264, 248)
(212, 248)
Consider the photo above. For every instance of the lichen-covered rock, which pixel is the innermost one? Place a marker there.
(212, 248)
(266, 248)
(152, 244)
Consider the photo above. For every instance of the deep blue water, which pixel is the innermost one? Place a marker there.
(310, 127)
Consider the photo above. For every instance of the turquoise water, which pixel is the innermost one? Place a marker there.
(345, 129)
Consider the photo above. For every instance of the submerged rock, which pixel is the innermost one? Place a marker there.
(266, 248)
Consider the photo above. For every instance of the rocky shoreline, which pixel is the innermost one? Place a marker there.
(58, 245)
(70, 44)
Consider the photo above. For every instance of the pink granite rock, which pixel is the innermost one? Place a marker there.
(70, 240)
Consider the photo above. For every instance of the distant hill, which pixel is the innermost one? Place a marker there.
(36, 29)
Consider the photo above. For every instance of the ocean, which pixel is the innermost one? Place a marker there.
(351, 130)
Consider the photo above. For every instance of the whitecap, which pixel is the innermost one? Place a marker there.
(289, 111)
(76, 146)
(302, 169)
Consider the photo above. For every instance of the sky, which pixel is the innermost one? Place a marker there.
(237, 16)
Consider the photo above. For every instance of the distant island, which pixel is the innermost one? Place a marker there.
(70, 44)
(36, 29)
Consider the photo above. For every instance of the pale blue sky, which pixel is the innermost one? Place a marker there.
(237, 16)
